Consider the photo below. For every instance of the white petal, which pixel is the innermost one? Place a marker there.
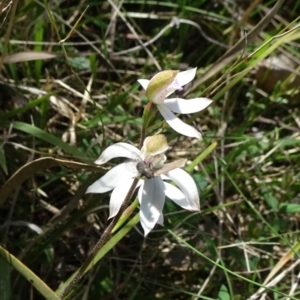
(177, 196)
(117, 150)
(177, 124)
(144, 83)
(118, 196)
(160, 220)
(151, 196)
(187, 185)
(186, 76)
(111, 179)
(190, 106)
(164, 177)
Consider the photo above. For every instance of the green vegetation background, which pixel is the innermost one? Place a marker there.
(248, 231)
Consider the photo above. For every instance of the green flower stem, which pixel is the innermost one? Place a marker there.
(38, 283)
(126, 214)
(100, 244)
(148, 118)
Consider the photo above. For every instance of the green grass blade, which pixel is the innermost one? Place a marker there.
(40, 285)
(47, 137)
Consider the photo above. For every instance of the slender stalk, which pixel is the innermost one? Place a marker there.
(143, 134)
(102, 241)
(148, 119)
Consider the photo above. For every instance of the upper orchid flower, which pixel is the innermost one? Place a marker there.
(164, 84)
(152, 188)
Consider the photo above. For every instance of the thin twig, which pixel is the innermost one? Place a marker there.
(174, 22)
(131, 28)
(294, 286)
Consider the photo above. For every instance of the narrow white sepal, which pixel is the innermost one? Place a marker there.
(118, 196)
(177, 124)
(144, 83)
(182, 106)
(185, 77)
(117, 150)
(187, 185)
(177, 196)
(160, 220)
(111, 179)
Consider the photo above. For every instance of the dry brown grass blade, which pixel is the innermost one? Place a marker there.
(281, 263)
(232, 52)
(27, 56)
(74, 27)
(244, 18)
(262, 293)
(38, 165)
(287, 257)
(4, 9)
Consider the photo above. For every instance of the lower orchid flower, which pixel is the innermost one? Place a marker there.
(153, 174)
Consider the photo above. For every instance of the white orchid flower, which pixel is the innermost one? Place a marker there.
(164, 84)
(152, 190)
